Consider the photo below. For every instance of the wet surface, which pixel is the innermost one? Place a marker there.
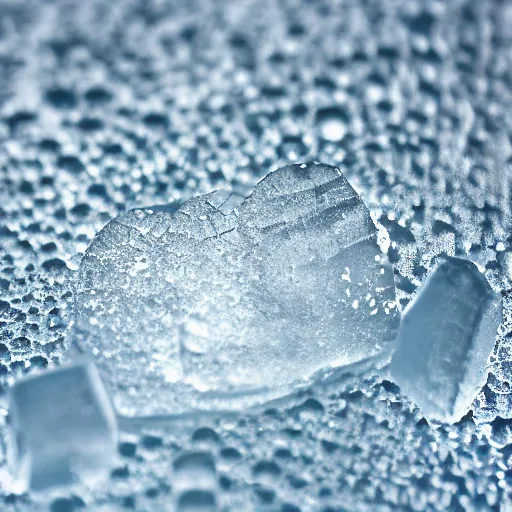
(109, 106)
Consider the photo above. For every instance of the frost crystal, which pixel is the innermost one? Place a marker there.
(234, 302)
(445, 340)
(63, 428)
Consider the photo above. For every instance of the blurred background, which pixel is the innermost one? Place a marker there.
(109, 105)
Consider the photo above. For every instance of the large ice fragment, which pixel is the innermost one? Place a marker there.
(206, 303)
(63, 428)
(445, 340)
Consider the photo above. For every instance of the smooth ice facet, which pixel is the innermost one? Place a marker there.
(445, 340)
(212, 301)
(63, 428)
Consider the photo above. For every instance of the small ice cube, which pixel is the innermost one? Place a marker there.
(194, 470)
(445, 340)
(63, 428)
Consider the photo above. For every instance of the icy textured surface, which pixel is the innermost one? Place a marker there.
(102, 111)
(195, 481)
(63, 428)
(446, 337)
(231, 301)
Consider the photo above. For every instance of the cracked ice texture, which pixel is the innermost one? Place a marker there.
(445, 340)
(221, 298)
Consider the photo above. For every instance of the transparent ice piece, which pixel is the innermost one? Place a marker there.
(63, 428)
(224, 303)
(445, 340)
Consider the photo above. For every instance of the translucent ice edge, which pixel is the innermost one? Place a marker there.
(328, 380)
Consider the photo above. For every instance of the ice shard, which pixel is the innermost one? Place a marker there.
(233, 303)
(445, 340)
(63, 428)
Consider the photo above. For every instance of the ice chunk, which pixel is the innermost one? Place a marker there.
(212, 304)
(445, 340)
(63, 428)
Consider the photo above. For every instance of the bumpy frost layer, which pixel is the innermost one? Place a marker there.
(106, 106)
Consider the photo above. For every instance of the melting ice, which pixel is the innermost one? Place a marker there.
(210, 300)
(445, 340)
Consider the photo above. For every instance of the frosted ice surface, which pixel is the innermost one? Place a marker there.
(63, 428)
(225, 301)
(445, 340)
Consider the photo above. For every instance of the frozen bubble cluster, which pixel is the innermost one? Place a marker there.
(223, 300)
(195, 481)
(110, 106)
(446, 337)
(63, 428)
